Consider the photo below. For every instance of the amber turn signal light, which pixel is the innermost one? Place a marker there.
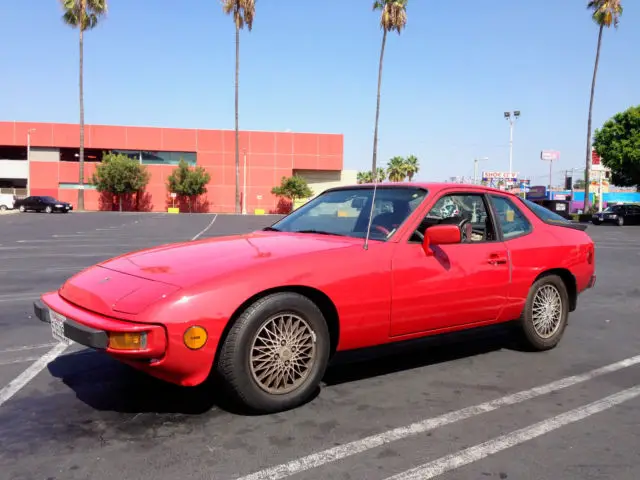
(128, 341)
(195, 337)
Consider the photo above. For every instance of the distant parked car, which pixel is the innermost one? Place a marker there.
(42, 204)
(619, 215)
(7, 201)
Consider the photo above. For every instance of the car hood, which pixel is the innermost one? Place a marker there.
(188, 263)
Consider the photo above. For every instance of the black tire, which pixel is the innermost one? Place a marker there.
(596, 222)
(233, 363)
(22, 209)
(3, 208)
(532, 338)
(620, 221)
(48, 209)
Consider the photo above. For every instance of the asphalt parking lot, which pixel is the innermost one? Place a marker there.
(475, 409)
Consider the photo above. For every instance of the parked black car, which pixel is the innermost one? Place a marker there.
(619, 215)
(39, 203)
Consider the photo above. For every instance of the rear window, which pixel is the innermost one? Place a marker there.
(546, 215)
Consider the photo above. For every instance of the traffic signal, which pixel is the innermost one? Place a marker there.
(568, 182)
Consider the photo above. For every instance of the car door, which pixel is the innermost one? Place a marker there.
(633, 215)
(459, 284)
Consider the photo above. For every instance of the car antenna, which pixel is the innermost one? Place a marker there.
(373, 200)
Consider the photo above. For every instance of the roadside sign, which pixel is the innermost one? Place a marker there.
(550, 155)
(174, 194)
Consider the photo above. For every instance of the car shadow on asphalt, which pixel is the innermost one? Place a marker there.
(105, 384)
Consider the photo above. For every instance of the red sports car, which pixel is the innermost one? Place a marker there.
(355, 267)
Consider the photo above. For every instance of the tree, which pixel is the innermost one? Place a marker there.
(243, 12)
(604, 13)
(120, 175)
(188, 183)
(365, 177)
(83, 15)
(293, 188)
(618, 145)
(412, 166)
(397, 169)
(393, 16)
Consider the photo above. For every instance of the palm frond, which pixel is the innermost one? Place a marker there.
(242, 11)
(75, 17)
(606, 12)
(393, 14)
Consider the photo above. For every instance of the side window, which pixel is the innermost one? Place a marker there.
(467, 210)
(511, 219)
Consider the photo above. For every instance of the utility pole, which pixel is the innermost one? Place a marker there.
(29, 160)
(244, 184)
(511, 117)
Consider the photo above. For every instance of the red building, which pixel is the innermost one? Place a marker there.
(53, 168)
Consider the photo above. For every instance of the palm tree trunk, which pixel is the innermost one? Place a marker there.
(375, 131)
(237, 130)
(81, 98)
(587, 166)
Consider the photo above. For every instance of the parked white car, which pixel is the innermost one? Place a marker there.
(7, 201)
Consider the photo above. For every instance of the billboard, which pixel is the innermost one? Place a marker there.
(550, 155)
(499, 179)
(537, 192)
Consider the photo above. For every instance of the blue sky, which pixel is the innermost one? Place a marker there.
(312, 67)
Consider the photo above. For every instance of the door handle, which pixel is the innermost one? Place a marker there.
(497, 259)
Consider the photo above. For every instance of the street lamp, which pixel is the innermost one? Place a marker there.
(29, 160)
(511, 117)
(475, 168)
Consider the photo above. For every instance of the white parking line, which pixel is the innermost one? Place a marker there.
(27, 347)
(483, 450)
(318, 459)
(18, 297)
(25, 377)
(18, 360)
(215, 215)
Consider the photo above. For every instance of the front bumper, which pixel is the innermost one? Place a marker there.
(165, 357)
(92, 330)
(79, 333)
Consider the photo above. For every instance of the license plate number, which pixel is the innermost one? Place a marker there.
(57, 327)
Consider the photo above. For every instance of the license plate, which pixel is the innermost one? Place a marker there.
(57, 327)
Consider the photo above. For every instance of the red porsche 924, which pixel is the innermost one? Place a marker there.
(266, 311)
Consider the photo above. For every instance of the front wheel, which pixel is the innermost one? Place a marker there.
(620, 221)
(276, 353)
(545, 313)
(48, 209)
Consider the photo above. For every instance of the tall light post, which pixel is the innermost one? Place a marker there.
(511, 117)
(475, 168)
(29, 160)
(244, 183)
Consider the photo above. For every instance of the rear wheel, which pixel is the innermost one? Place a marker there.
(276, 353)
(3, 208)
(22, 209)
(546, 312)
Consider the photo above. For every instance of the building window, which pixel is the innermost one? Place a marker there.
(73, 155)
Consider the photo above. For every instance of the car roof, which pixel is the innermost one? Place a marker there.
(433, 187)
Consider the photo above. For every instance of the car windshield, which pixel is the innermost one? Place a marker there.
(346, 211)
(613, 209)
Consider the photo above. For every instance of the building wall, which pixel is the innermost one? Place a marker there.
(319, 181)
(269, 156)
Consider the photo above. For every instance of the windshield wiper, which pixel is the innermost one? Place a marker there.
(319, 232)
(270, 229)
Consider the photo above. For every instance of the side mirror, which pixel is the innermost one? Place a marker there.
(440, 235)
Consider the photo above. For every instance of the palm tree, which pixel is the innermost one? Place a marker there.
(397, 169)
(365, 177)
(412, 166)
(605, 13)
(393, 16)
(382, 175)
(243, 12)
(83, 15)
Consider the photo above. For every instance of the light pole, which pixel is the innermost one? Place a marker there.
(475, 168)
(244, 184)
(29, 160)
(511, 117)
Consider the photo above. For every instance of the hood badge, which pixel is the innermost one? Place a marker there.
(104, 280)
